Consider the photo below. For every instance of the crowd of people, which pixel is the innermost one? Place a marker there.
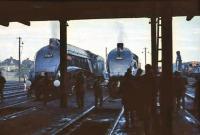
(138, 95)
(80, 90)
(43, 87)
(141, 94)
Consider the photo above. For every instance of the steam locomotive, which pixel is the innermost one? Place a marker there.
(118, 61)
(47, 60)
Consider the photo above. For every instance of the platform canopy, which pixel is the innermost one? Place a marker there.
(41, 10)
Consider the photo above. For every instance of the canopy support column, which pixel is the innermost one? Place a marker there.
(166, 86)
(154, 57)
(63, 63)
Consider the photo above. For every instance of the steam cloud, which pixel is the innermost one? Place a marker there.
(120, 30)
(55, 30)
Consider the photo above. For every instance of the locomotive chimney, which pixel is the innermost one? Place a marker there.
(53, 42)
(120, 46)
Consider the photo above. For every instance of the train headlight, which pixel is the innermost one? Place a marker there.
(28, 83)
(56, 83)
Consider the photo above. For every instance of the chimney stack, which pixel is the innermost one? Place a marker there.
(120, 46)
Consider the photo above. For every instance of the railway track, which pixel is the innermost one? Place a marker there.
(83, 123)
(13, 85)
(191, 113)
(14, 93)
(93, 121)
(14, 96)
(189, 95)
(14, 89)
(68, 125)
(17, 113)
(15, 110)
(97, 121)
(15, 104)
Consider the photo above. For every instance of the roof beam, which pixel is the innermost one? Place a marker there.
(25, 23)
(188, 18)
(6, 24)
(43, 10)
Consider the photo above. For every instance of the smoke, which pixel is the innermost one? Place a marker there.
(120, 30)
(55, 30)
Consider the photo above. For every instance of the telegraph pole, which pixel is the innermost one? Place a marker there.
(145, 55)
(106, 53)
(106, 58)
(20, 42)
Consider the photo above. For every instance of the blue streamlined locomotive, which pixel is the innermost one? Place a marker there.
(47, 60)
(118, 61)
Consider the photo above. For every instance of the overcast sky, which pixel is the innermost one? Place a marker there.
(96, 35)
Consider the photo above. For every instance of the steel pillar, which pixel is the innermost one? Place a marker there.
(166, 86)
(154, 57)
(63, 63)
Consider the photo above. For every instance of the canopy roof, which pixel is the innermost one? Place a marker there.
(41, 10)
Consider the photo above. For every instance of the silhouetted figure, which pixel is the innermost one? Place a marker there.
(79, 88)
(29, 90)
(149, 97)
(136, 95)
(178, 61)
(125, 91)
(112, 87)
(98, 92)
(179, 89)
(38, 86)
(2, 84)
(47, 87)
(197, 95)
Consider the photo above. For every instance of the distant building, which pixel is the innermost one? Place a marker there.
(190, 66)
(10, 68)
(28, 63)
(12, 64)
(9, 64)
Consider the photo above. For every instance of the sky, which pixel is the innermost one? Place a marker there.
(96, 35)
